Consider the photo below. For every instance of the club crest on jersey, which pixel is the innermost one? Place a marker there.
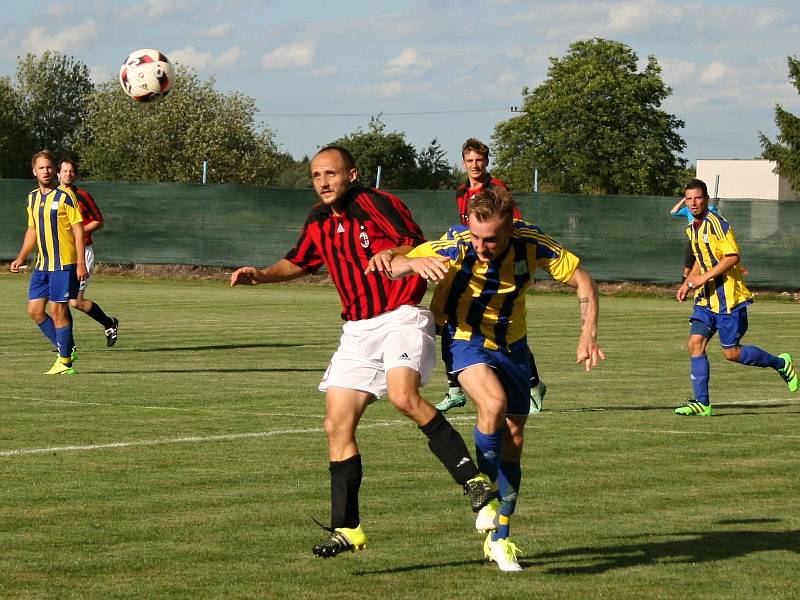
(54, 205)
(705, 238)
(364, 239)
(340, 228)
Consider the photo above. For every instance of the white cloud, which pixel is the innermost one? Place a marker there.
(157, 8)
(232, 57)
(101, 74)
(61, 39)
(390, 89)
(326, 71)
(221, 30)
(289, 56)
(408, 62)
(715, 72)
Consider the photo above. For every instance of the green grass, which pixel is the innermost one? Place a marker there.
(188, 460)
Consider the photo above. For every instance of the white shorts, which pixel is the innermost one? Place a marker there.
(89, 254)
(404, 337)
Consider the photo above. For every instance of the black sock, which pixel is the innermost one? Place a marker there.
(345, 483)
(449, 447)
(98, 315)
(533, 369)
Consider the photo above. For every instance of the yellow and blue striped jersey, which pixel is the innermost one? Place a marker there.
(712, 239)
(485, 302)
(52, 215)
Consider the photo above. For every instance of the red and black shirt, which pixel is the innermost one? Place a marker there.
(89, 211)
(464, 193)
(371, 221)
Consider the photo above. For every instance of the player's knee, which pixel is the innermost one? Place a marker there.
(406, 401)
(732, 354)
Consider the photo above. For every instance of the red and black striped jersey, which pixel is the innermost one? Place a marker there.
(371, 221)
(464, 193)
(89, 211)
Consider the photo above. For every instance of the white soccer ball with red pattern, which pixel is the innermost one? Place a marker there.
(146, 75)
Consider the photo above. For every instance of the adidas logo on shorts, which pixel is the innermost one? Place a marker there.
(404, 356)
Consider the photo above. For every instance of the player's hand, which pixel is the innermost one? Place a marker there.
(589, 353)
(432, 268)
(381, 262)
(81, 272)
(244, 276)
(15, 266)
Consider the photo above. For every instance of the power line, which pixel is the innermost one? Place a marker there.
(389, 114)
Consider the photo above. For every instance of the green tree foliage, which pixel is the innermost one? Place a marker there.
(294, 173)
(433, 170)
(168, 140)
(593, 126)
(52, 91)
(786, 149)
(375, 148)
(14, 141)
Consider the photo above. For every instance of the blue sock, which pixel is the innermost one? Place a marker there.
(64, 340)
(700, 373)
(48, 328)
(753, 356)
(508, 478)
(487, 451)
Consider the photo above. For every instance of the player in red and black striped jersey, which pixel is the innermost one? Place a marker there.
(475, 159)
(92, 222)
(388, 342)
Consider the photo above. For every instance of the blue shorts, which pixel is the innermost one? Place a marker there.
(56, 286)
(511, 367)
(731, 327)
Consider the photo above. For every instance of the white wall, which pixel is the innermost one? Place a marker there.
(745, 179)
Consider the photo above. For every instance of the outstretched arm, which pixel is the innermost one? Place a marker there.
(589, 352)
(432, 268)
(382, 261)
(283, 270)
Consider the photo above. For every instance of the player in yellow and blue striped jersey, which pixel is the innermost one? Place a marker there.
(720, 302)
(54, 227)
(483, 270)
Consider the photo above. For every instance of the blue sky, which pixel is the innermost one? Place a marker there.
(433, 68)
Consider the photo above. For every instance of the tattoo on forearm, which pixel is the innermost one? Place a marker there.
(583, 307)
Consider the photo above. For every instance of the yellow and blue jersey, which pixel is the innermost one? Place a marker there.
(52, 215)
(712, 239)
(485, 302)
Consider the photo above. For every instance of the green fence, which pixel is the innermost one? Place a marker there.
(620, 238)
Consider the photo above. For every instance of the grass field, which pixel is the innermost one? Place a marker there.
(189, 460)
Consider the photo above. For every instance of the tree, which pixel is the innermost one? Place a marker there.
(168, 140)
(433, 170)
(593, 126)
(52, 92)
(786, 150)
(14, 142)
(374, 148)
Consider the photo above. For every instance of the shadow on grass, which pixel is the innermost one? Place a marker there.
(206, 370)
(215, 347)
(420, 567)
(691, 547)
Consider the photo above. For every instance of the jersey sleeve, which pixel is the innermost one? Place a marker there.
(443, 247)
(305, 253)
(71, 207)
(89, 207)
(546, 253)
(727, 243)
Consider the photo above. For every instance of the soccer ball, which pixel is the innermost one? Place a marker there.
(146, 75)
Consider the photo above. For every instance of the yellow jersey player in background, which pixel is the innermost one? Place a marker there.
(720, 302)
(55, 227)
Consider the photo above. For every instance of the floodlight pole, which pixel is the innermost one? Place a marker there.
(716, 187)
(536, 180)
(205, 172)
(378, 178)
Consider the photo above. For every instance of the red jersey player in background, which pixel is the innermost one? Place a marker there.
(92, 222)
(475, 159)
